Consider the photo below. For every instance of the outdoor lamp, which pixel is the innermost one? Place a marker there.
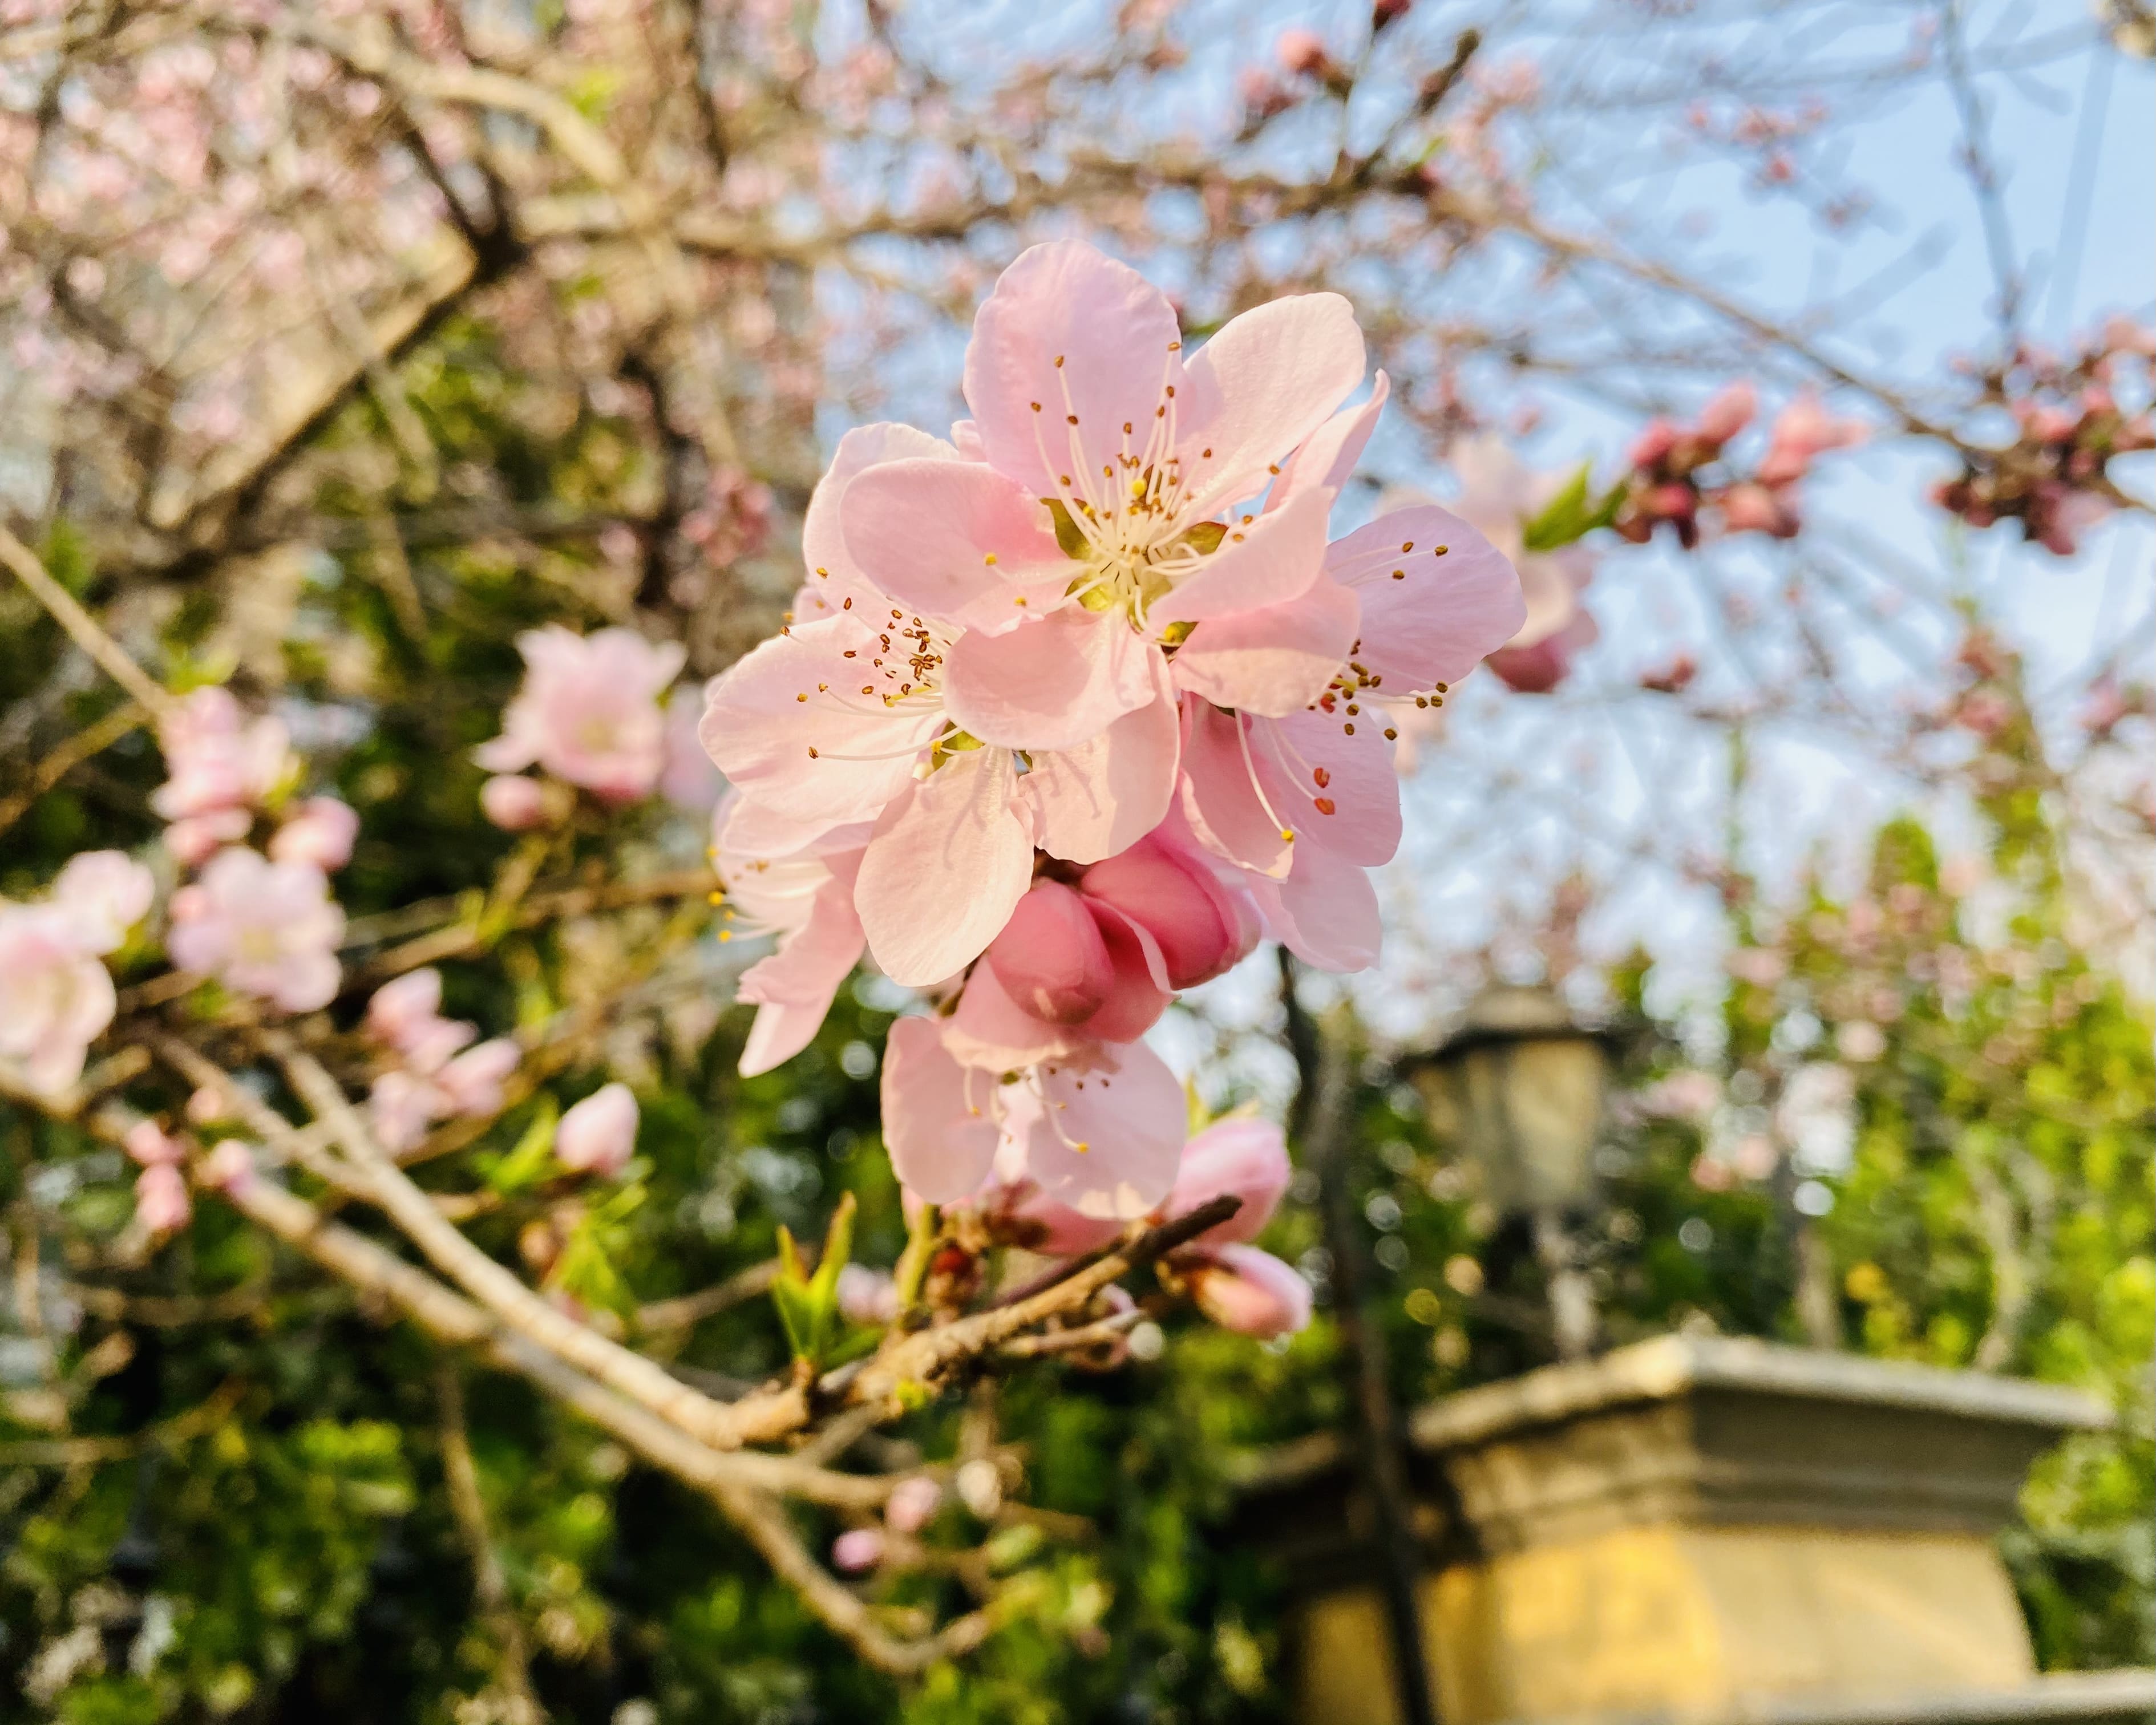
(1521, 1084)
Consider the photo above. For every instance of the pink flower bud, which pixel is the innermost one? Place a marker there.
(400, 1009)
(1655, 440)
(913, 1501)
(1303, 51)
(1250, 1292)
(2043, 424)
(228, 1167)
(472, 1083)
(1244, 1157)
(512, 802)
(1748, 508)
(865, 1295)
(1024, 1217)
(160, 1198)
(598, 1135)
(1051, 956)
(1729, 413)
(319, 831)
(400, 1107)
(856, 1549)
(195, 839)
(1177, 899)
(151, 1145)
(207, 1105)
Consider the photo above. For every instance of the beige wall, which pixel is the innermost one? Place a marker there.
(1679, 1620)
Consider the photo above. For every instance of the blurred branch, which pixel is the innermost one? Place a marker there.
(83, 629)
(489, 1584)
(93, 739)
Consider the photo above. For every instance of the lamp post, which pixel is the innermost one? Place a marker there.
(1522, 1083)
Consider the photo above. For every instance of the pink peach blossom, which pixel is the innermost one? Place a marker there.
(148, 1144)
(160, 1198)
(264, 928)
(856, 1549)
(589, 712)
(230, 1167)
(400, 1106)
(1249, 1292)
(512, 802)
(103, 894)
(865, 1295)
(320, 831)
(197, 838)
(804, 895)
(913, 1504)
(55, 996)
(598, 1135)
(1300, 51)
(399, 1011)
(1244, 1157)
(219, 761)
(1098, 1132)
(1201, 927)
(1727, 412)
(1804, 431)
(472, 1084)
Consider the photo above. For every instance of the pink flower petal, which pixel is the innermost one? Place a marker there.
(936, 1123)
(1138, 993)
(1068, 333)
(1101, 797)
(1329, 777)
(1325, 912)
(1275, 661)
(1250, 1292)
(1328, 455)
(1220, 798)
(1428, 618)
(949, 861)
(1178, 900)
(1100, 1132)
(1264, 561)
(793, 987)
(834, 577)
(1245, 1157)
(1051, 957)
(991, 1029)
(799, 693)
(1052, 683)
(956, 541)
(1269, 379)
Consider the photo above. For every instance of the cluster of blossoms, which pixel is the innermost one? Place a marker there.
(429, 1072)
(2069, 424)
(263, 924)
(161, 1203)
(588, 715)
(1680, 470)
(1075, 705)
(56, 996)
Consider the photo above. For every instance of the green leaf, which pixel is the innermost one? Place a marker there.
(1569, 516)
(808, 1305)
(528, 1162)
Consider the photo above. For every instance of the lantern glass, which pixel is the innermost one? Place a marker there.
(1523, 1087)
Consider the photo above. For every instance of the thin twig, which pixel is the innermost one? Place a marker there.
(83, 629)
(489, 1583)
